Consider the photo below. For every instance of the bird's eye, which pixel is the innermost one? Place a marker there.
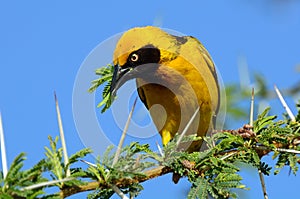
(134, 57)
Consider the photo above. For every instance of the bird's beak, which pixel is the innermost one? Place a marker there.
(120, 76)
(125, 73)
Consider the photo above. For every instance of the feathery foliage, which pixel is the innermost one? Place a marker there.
(106, 74)
(211, 172)
(11, 186)
(32, 183)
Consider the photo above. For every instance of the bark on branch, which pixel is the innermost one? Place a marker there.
(149, 174)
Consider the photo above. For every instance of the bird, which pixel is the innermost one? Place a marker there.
(175, 76)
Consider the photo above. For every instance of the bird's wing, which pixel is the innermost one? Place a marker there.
(142, 96)
(207, 58)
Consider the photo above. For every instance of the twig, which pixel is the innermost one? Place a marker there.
(261, 175)
(263, 185)
(62, 136)
(156, 172)
(187, 127)
(153, 173)
(119, 192)
(3, 149)
(284, 104)
(123, 135)
(131, 196)
(252, 108)
(118, 152)
(288, 150)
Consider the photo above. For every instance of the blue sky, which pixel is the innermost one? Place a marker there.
(44, 44)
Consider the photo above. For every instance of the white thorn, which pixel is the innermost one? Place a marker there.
(62, 136)
(118, 152)
(187, 127)
(160, 150)
(252, 108)
(89, 163)
(263, 184)
(288, 150)
(43, 184)
(119, 192)
(285, 106)
(3, 149)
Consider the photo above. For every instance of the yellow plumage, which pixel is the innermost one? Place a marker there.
(174, 72)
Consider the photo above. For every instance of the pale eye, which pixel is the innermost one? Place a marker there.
(134, 57)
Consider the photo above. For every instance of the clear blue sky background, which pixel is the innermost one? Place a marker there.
(43, 44)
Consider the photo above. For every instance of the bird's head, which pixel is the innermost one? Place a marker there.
(139, 52)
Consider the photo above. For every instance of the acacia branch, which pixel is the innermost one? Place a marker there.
(245, 132)
(149, 174)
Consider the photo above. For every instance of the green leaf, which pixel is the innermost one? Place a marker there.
(199, 189)
(79, 154)
(106, 74)
(263, 120)
(14, 170)
(292, 159)
(54, 159)
(6, 196)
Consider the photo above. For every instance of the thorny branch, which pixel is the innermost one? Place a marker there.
(153, 173)
(244, 132)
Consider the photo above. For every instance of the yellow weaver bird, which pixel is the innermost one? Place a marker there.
(174, 76)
